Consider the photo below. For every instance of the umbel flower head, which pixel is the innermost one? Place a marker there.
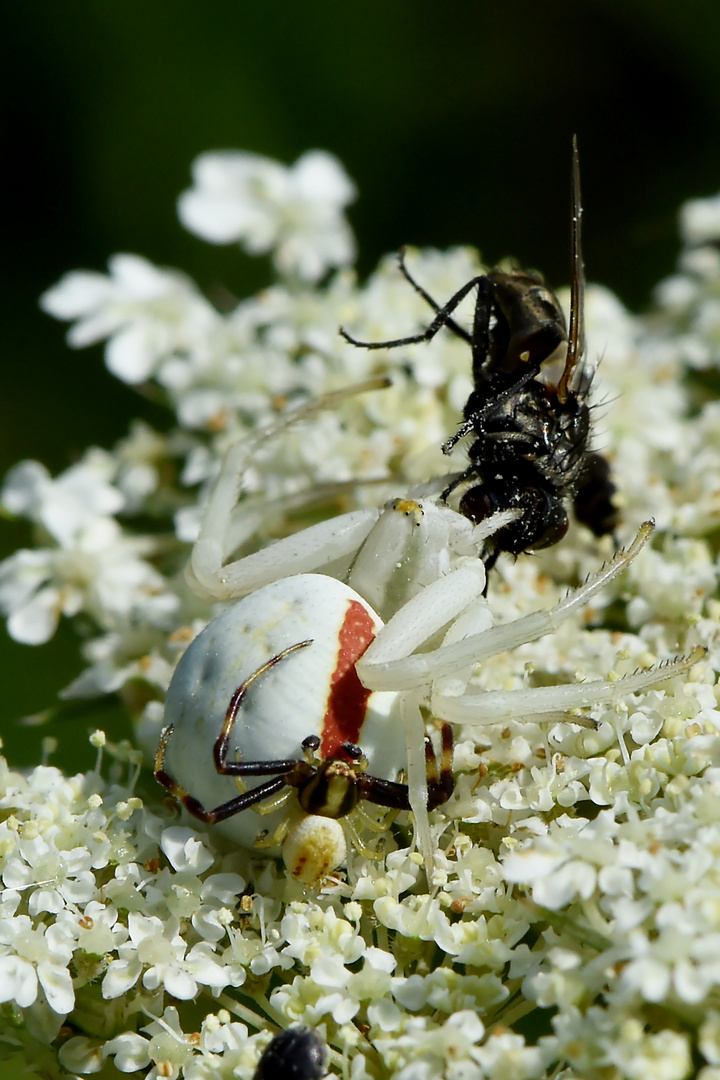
(570, 927)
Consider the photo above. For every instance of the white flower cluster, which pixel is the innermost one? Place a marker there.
(573, 929)
(93, 566)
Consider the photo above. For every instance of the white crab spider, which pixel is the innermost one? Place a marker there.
(416, 563)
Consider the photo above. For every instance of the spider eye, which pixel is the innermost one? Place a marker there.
(311, 743)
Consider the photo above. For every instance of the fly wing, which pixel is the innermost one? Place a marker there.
(576, 329)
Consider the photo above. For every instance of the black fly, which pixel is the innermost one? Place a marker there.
(530, 449)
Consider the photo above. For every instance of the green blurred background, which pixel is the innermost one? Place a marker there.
(455, 119)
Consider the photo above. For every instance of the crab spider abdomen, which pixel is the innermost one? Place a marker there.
(314, 691)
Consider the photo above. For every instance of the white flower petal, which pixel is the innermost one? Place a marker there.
(185, 851)
(35, 622)
(58, 987)
(121, 975)
(129, 354)
(319, 176)
(177, 982)
(18, 981)
(130, 1051)
(81, 1055)
(76, 294)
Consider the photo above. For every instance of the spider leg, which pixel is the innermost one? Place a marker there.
(422, 616)
(270, 806)
(255, 510)
(273, 839)
(494, 707)
(375, 825)
(205, 572)
(440, 320)
(441, 782)
(306, 552)
(388, 793)
(417, 790)
(396, 796)
(359, 844)
(396, 670)
(436, 605)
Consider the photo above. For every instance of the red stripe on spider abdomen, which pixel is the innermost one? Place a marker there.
(348, 698)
